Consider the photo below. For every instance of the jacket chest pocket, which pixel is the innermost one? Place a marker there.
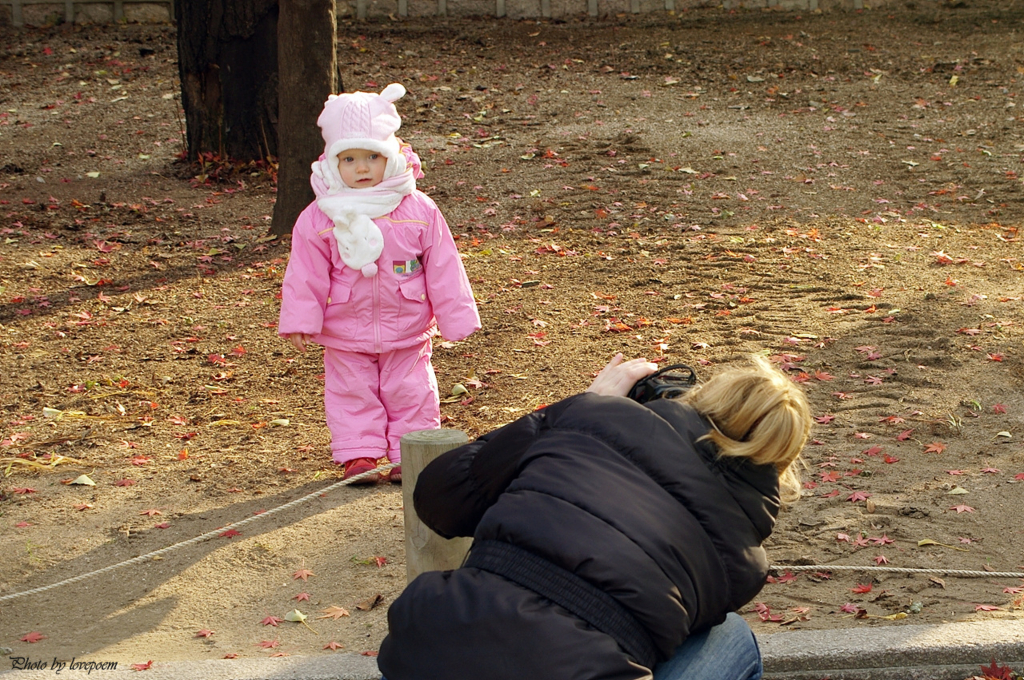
(414, 311)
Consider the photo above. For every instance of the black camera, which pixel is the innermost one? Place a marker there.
(666, 383)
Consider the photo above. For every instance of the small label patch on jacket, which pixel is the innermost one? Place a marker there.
(404, 268)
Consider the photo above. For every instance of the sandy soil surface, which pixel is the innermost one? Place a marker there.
(841, 192)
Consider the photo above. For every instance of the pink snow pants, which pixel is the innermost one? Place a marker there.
(371, 400)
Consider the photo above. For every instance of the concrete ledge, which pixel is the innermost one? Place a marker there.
(951, 651)
(333, 667)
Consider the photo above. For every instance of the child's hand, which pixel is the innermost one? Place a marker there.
(618, 377)
(300, 340)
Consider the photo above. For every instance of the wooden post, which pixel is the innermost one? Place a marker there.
(425, 550)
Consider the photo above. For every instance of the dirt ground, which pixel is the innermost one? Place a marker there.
(839, 191)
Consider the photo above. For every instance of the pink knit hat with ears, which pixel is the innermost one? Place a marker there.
(363, 120)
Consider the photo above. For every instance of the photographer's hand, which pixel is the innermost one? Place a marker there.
(618, 377)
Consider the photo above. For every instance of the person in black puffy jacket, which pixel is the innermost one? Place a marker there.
(608, 535)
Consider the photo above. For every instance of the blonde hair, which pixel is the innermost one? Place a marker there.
(760, 414)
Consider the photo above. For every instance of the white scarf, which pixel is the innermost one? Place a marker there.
(360, 241)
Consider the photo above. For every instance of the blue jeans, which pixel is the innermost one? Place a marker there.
(726, 652)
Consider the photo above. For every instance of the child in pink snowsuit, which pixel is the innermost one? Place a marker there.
(374, 274)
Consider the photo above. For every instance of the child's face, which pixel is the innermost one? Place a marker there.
(361, 169)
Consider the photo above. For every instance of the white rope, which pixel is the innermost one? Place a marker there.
(387, 468)
(203, 537)
(897, 570)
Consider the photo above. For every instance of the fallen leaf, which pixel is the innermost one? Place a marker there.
(204, 633)
(935, 447)
(862, 588)
(303, 574)
(268, 644)
(333, 612)
(33, 637)
(370, 602)
(332, 645)
(142, 666)
(271, 621)
(927, 541)
(962, 508)
(995, 672)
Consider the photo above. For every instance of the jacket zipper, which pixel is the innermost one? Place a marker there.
(376, 314)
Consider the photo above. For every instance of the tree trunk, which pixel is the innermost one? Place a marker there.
(227, 59)
(308, 73)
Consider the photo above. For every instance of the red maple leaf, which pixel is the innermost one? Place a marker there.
(303, 574)
(380, 561)
(873, 451)
(881, 559)
(830, 476)
(1019, 476)
(204, 633)
(124, 482)
(142, 666)
(987, 608)
(302, 597)
(962, 508)
(268, 644)
(903, 436)
(849, 608)
(831, 494)
(332, 645)
(151, 512)
(141, 460)
(969, 331)
(995, 672)
(231, 655)
(271, 621)
(230, 533)
(995, 356)
(370, 652)
(861, 588)
(858, 496)
(890, 459)
(999, 408)
(825, 419)
(935, 447)
(822, 375)
(33, 637)
(162, 525)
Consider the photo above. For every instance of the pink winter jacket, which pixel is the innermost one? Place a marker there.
(420, 281)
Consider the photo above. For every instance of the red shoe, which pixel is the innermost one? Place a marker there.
(358, 466)
(395, 475)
